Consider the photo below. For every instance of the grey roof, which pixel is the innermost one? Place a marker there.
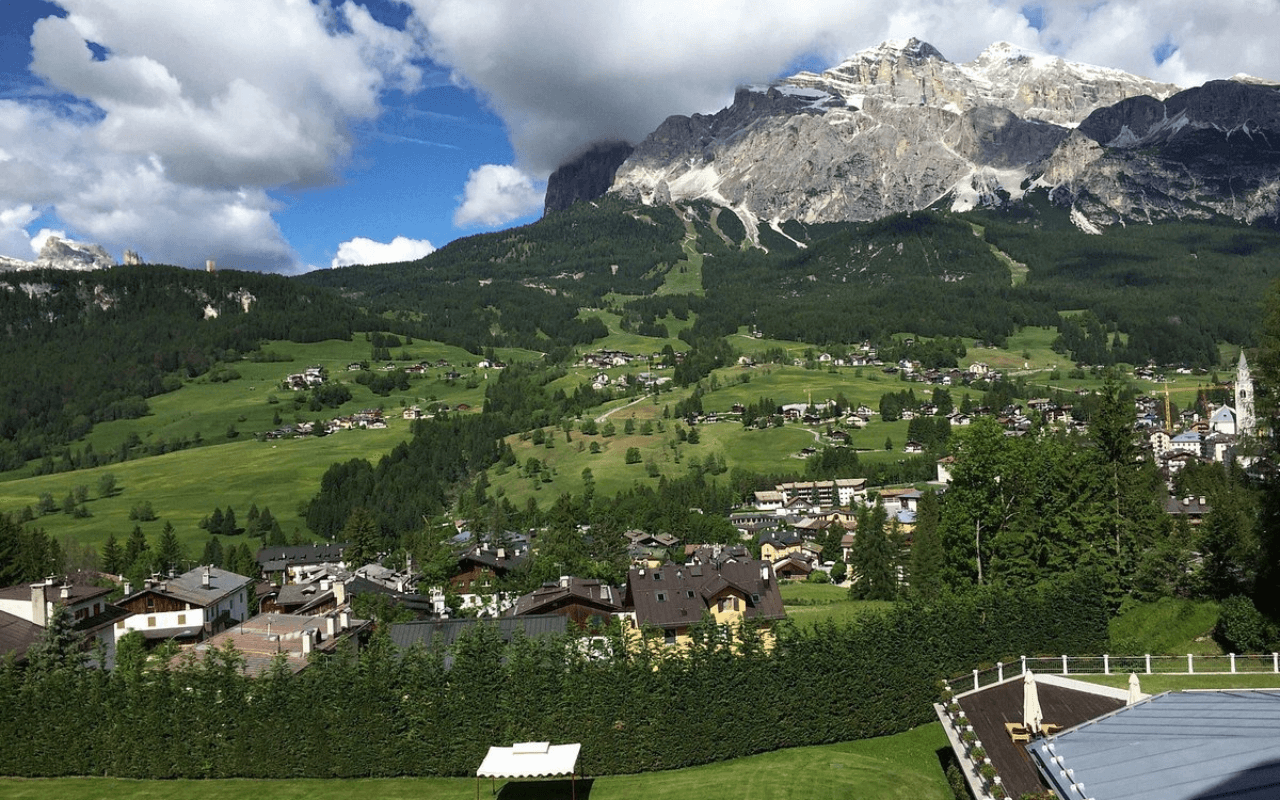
(17, 635)
(189, 586)
(1176, 746)
(277, 559)
(445, 632)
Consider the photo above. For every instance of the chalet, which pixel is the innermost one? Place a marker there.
(194, 605)
(676, 596)
(795, 566)
(272, 560)
(776, 544)
(839, 436)
(25, 611)
(476, 582)
(913, 447)
(1188, 442)
(308, 599)
(584, 602)
(272, 639)
(944, 469)
(649, 548)
(1193, 508)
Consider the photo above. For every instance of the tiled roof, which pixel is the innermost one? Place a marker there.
(568, 590)
(17, 635)
(189, 586)
(679, 594)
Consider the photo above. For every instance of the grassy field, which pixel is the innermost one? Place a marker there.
(184, 487)
(811, 603)
(902, 767)
(1167, 626)
(1155, 684)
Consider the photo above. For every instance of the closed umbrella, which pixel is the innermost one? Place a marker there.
(1032, 716)
(1135, 688)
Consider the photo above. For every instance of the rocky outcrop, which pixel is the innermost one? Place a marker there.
(586, 177)
(63, 254)
(894, 128)
(1214, 149)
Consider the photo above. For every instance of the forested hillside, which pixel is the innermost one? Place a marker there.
(81, 348)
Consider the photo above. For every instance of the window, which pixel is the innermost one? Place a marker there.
(689, 592)
(151, 622)
(661, 597)
(120, 625)
(657, 576)
(182, 619)
(669, 635)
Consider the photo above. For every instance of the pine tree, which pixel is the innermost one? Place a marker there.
(927, 557)
(135, 547)
(59, 645)
(872, 559)
(169, 552)
(363, 538)
(112, 557)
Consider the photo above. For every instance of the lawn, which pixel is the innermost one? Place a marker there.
(811, 603)
(184, 487)
(901, 767)
(1168, 626)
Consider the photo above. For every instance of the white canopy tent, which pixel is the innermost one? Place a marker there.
(531, 760)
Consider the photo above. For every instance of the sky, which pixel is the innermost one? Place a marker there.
(293, 135)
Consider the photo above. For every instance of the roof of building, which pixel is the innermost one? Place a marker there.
(679, 594)
(1064, 702)
(444, 632)
(278, 559)
(264, 638)
(53, 590)
(568, 589)
(1175, 746)
(17, 635)
(189, 587)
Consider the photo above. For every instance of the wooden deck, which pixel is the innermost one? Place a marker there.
(989, 710)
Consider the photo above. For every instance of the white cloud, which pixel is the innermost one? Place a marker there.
(565, 74)
(366, 251)
(496, 194)
(15, 242)
(37, 241)
(193, 114)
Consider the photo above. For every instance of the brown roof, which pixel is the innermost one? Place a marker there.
(679, 594)
(53, 592)
(581, 591)
(17, 635)
(989, 709)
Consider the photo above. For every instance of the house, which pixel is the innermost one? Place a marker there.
(476, 581)
(288, 639)
(776, 544)
(291, 559)
(795, 566)
(944, 469)
(1193, 508)
(584, 602)
(675, 597)
(25, 611)
(194, 605)
(649, 548)
(318, 596)
(913, 447)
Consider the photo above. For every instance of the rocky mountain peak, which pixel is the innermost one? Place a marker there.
(58, 253)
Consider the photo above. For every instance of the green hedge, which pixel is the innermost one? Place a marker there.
(389, 713)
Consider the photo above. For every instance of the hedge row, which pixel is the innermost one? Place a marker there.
(390, 713)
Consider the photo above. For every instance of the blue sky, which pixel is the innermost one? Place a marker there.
(289, 135)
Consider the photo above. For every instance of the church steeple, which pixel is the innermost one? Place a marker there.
(1246, 421)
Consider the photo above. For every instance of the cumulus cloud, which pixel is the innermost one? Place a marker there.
(366, 251)
(496, 194)
(187, 114)
(565, 74)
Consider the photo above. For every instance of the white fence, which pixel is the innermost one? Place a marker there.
(1231, 664)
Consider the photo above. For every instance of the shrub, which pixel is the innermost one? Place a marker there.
(1242, 628)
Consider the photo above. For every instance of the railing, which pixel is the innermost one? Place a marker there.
(1190, 664)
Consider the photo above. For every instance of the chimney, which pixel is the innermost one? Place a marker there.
(326, 585)
(65, 592)
(339, 592)
(764, 573)
(330, 626)
(308, 641)
(564, 581)
(128, 588)
(502, 553)
(1202, 500)
(344, 620)
(204, 579)
(39, 612)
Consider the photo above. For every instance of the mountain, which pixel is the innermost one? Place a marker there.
(899, 128)
(62, 254)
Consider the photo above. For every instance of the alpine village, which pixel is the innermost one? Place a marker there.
(929, 454)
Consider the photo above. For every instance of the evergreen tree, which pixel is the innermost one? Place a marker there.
(927, 557)
(213, 555)
(112, 557)
(169, 551)
(135, 548)
(872, 560)
(60, 645)
(363, 538)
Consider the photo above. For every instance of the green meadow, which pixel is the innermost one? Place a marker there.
(901, 767)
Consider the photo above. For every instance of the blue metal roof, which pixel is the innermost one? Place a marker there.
(1176, 746)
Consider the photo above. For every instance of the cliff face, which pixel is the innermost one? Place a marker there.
(587, 177)
(898, 128)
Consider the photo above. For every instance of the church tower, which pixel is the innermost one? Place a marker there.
(1246, 422)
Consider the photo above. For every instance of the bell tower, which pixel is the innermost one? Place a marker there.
(1246, 421)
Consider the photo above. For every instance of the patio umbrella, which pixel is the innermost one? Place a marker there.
(1032, 716)
(1135, 689)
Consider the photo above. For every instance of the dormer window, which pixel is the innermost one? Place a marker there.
(657, 576)
(661, 597)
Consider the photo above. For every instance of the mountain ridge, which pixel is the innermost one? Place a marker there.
(899, 128)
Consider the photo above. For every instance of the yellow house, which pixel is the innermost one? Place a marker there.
(675, 597)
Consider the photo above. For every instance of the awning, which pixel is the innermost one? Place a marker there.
(530, 760)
